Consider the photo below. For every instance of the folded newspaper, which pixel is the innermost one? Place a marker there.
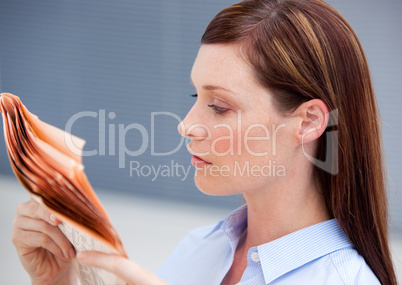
(48, 163)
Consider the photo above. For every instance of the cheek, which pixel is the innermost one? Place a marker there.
(265, 140)
(224, 141)
(253, 141)
(256, 141)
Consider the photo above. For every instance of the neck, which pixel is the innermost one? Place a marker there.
(289, 207)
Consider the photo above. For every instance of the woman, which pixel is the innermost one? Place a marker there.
(278, 83)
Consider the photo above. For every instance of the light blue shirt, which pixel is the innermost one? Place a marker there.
(317, 255)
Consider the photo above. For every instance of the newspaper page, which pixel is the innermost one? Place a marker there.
(82, 242)
(47, 167)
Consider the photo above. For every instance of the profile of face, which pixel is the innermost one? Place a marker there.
(239, 141)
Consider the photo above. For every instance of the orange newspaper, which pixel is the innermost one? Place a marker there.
(48, 163)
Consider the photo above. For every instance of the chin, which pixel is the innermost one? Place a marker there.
(213, 186)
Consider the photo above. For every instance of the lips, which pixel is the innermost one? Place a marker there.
(196, 160)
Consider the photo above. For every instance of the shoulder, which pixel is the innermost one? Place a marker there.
(196, 235)
(191, 256)
(352, 268)
(194, 239)
(341, 267)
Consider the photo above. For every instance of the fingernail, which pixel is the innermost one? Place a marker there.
(71, 253)
(52, 218)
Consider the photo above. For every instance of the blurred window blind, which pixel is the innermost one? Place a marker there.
(121, 60)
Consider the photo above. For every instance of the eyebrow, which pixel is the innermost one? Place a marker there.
(212, 87)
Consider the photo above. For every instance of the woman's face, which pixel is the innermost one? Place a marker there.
(239, 141)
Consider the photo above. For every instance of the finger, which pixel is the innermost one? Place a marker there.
(33, 209)
(53, 232)
(27, 242)
(122, 267)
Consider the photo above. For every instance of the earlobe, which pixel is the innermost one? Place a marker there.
(313, 119)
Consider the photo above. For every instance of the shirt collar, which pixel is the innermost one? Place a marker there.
(291, 251)
(233, 225)
(296, 249)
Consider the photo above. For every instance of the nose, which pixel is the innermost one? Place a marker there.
(189, 128)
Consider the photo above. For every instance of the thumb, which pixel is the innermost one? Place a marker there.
(122, 267)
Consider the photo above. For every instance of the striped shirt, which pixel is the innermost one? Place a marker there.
(316, 255)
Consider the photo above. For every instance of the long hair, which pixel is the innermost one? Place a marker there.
(304, 49)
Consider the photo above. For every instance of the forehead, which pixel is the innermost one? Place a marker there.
(222, 65)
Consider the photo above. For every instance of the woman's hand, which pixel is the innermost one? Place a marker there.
(43, 249)
(122, 267)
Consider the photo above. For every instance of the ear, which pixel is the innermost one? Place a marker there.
(312, 119)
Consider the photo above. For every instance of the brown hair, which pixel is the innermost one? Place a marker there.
(304, 49)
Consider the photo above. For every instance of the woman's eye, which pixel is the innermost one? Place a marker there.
(217, 109)
(216, 105)
(219, 106)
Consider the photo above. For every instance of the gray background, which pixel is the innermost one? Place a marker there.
(135, 57)
(127, 57)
